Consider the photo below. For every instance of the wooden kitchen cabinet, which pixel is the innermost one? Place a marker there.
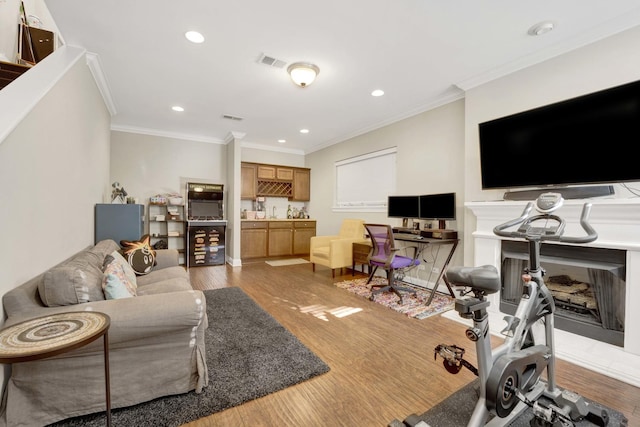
(249, 181)
(266, 172)
(303, 231)
(280, 238)
(254, 239)
(301, 185)
(284, 174)
(260, 239)
(275, 172)
(273, 180)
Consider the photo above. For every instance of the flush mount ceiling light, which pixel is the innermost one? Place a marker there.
(194, 36)
(177, 108)
(541, 28)
(303, 73)
(377, 92)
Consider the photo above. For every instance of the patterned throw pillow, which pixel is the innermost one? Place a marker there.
(116, 256)
(139, 254)
(115, 283)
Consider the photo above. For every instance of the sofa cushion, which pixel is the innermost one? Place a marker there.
(139, 254)
(174, 284)
(73, 282)
(162, 274)
(115, 282)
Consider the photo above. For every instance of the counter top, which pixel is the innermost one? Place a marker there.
(279, 219)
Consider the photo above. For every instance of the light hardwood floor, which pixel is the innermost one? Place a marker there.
(382, 362)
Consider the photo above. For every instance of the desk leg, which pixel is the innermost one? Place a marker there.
(107, 377)
(441, 275)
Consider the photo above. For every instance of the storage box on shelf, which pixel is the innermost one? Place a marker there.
(167, 222)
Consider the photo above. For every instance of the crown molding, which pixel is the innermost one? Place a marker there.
(270, 148)
(164, 134)
(93, 62)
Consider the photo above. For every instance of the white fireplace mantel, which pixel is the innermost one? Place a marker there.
(617, 222)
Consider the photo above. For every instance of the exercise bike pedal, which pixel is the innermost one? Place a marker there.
(578, 408)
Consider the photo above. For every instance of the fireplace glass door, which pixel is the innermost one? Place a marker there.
(588, 286)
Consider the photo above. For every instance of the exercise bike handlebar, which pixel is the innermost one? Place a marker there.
(526, 217)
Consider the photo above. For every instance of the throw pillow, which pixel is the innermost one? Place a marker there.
(116, 256)
(64, 285)
(139, 254)
(76, 280)
(115, 283)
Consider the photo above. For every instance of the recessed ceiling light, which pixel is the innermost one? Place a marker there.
(282, 141)
(304, 130)
(541, 28)
(177, 108)
(377, 92)
(194, 36)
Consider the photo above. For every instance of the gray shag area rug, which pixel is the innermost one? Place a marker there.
(456, 410)
(249, 355)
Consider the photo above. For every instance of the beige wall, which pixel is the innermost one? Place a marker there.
(284, 157)
(430, 150)
(147, 165)
(54, 167)
(610, 62)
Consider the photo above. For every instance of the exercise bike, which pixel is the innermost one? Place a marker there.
(510, 375)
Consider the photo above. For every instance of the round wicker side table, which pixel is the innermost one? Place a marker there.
(48, 336)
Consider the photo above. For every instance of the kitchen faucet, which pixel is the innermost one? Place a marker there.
(273, 215)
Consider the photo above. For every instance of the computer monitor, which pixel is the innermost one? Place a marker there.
(403, 207)
(439, 207)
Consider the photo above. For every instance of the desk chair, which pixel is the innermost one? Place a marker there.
(384, 254)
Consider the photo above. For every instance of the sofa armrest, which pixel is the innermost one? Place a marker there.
(137, 319)
(166, 258)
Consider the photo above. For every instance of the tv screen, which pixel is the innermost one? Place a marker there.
(585, 140)
(438, 206)
(403, 207)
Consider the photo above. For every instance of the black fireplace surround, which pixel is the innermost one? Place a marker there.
(588, 285)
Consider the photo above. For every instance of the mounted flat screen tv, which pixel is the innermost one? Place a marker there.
(403, 207)
(590, 139)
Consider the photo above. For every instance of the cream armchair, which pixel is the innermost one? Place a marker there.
(336, 251)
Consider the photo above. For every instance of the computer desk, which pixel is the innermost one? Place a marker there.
(424, 242)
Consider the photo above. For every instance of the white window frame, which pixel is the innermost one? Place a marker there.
(357, 190)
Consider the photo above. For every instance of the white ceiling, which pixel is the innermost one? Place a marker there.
(422, 53)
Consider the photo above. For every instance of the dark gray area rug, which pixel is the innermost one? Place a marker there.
(249, 355)
(456, 410)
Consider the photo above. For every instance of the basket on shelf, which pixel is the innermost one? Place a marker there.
(175, 200)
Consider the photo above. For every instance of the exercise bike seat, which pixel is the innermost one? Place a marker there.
(484, 278)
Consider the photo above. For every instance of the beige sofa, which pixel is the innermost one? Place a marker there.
(156, 341)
